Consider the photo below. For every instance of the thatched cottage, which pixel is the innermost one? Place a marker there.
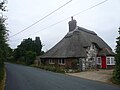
(80, 48)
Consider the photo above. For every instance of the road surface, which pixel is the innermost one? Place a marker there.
(21, 77)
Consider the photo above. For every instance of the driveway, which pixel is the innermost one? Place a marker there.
(100, 75)
(28, 78)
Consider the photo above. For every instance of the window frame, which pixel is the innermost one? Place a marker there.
(51, 61)
(98, 60)
(108, 60)
(60, 61)
(112, 60)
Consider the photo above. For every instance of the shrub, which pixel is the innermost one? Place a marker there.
(116, 73)
(52, 68)
(116, 77)
(1, 72)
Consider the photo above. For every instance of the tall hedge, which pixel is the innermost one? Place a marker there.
(3, 39)
(116, 73)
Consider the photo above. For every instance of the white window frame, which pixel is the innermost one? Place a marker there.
(108, 60)
(51, 61)
(112, 60)
(61, 62)
(99, 60)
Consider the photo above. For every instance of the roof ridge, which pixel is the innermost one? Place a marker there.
(86, 30)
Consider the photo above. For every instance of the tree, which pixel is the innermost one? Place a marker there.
(3, 39)
(3, 33)
(27, 49)
(116, 73)
(27, 44)
(38, 45)
(29, 57)
(2, 7)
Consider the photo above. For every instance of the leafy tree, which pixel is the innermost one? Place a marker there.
(42, 52)
(19, 54)
(116, 73)
(2, 3)
(3, 39)
(29, 57)
(38, 45)
(20, 51)
(26, 50)
(27, 44)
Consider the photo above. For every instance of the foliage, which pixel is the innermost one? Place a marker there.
(9, 54)
(3, 39)
(3, 33)
(2, 79)
(58, 69)
(2, 3)
(30, 56)
(3, 45)
(38, 46)
(52, 68)
(1, 72)
(27, 50)
(116, 73)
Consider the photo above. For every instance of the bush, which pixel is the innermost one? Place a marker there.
(52, 68)
(116, 77)
(116, 73)
(72, 70)
(1, 72)
(30, 56)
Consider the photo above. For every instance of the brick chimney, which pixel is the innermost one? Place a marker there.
(72, 24)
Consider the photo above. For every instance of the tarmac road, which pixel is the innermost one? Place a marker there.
(21, 77)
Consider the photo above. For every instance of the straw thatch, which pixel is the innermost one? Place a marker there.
(74, 44)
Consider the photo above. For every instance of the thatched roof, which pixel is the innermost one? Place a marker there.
(105, 51)
(74, 43)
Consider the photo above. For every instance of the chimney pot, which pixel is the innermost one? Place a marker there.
(72, 18)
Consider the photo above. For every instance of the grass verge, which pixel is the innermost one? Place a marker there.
(2, 77)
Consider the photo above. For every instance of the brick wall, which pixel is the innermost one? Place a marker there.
(68, 63)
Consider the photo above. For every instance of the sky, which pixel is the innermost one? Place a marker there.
(103, 19)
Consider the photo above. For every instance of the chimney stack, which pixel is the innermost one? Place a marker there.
(72, 24)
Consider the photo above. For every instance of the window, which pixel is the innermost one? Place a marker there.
(110, 61)
(61, 61)
(51, 61)
(98, 60)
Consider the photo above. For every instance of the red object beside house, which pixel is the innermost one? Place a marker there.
(103, 62)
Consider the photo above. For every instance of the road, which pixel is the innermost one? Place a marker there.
(21, 77)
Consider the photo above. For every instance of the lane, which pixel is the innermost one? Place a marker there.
(21, 77)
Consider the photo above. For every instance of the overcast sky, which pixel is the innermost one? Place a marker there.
(103, 19)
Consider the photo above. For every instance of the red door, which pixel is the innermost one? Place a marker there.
(103, 65)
